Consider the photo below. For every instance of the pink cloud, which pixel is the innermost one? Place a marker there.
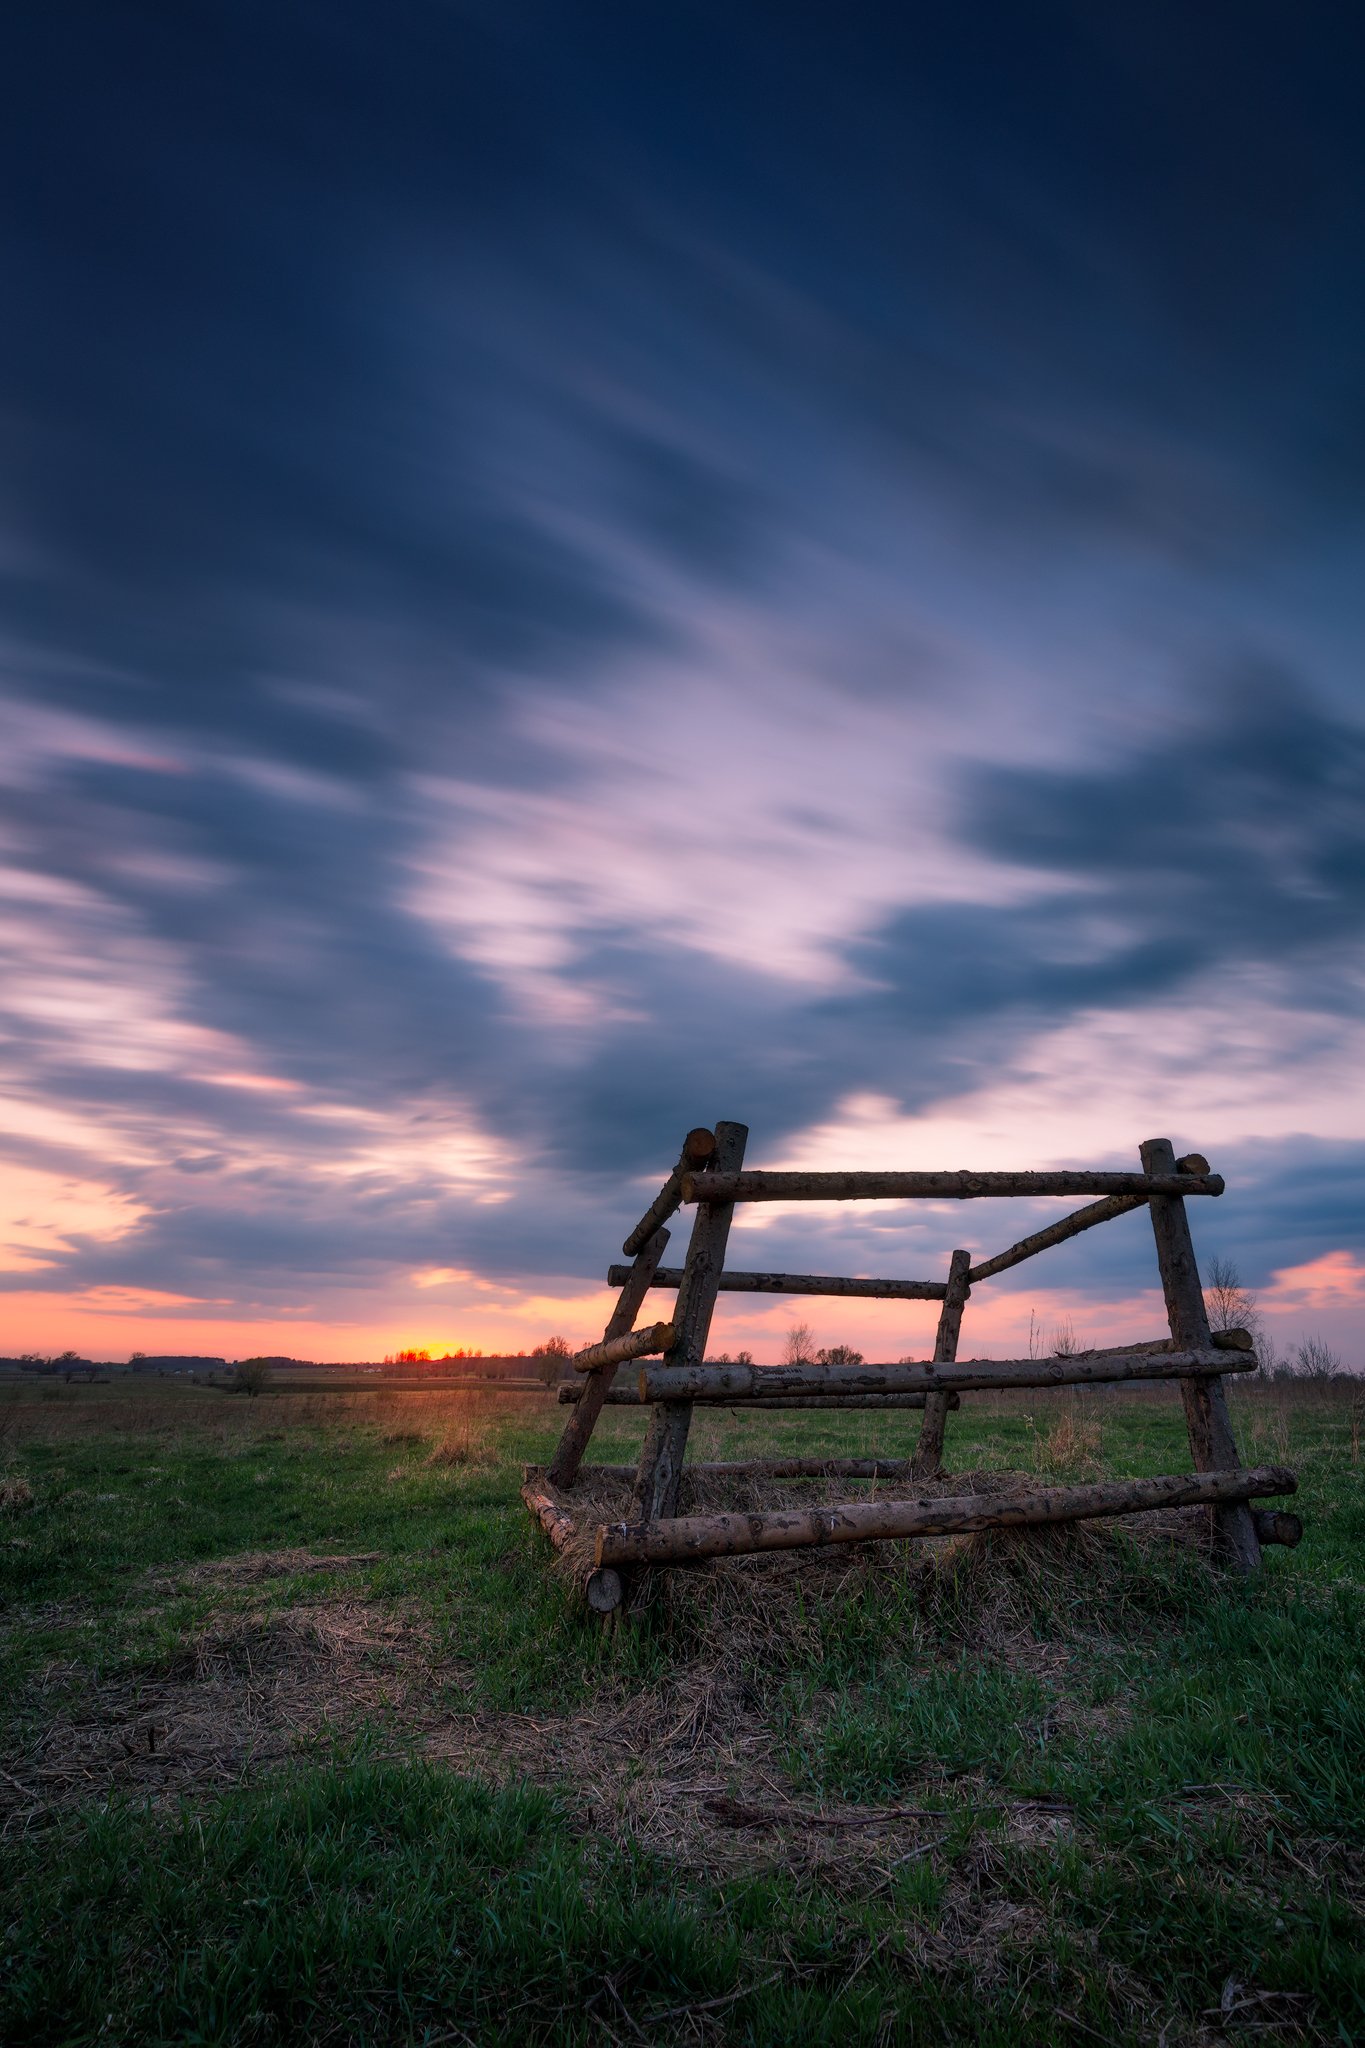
(1335, 1280)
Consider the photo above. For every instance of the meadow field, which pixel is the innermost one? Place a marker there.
(306, 1740)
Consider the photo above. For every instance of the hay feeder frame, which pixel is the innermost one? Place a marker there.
(710, 1177)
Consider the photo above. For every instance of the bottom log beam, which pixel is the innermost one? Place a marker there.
(604, 1589)
(683, 1537)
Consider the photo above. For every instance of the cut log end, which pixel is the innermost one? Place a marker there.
(604, 1590)
(1272, 1525)
(1193, 1162)
(1232, 1340)
(699, 1146)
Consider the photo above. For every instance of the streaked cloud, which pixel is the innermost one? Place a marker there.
(566, 582)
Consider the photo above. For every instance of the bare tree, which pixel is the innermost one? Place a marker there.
(1064, 1343)
(1315, 1359)
(1231, 1306)
(839, 1354)
(799, 1347)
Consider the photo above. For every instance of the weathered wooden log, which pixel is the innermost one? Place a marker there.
(1056, 1233)
(594, 1388)
(929, 1451)
(603, 1589)
(698, 1148)
(1212, 1443)
(775, 1468)
(655, 1337)
(802, 1283)
(553, 1517)
(935, 1187)
(731, 1535)
(1273, 1525)
(629, 1397)
(729, 1383)
(665, 1445)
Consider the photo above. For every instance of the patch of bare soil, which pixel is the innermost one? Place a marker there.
(243, 1695)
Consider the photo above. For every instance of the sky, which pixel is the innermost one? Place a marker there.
(570, 571)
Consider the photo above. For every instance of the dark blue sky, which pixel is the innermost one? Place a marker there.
(571, 571)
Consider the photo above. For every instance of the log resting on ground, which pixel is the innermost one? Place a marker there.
(603, 1589)
(685, 1537)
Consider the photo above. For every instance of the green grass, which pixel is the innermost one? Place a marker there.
(1193, 1869)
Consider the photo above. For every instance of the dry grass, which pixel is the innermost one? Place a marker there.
(15, 1493)
(244, 1694)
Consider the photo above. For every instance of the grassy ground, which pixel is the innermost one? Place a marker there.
(306, 1741)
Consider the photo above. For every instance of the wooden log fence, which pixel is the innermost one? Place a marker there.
(710, 1176)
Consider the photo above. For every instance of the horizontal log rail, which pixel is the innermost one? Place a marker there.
(685, 1537)
(620, 1350)
(727, 1383)
(774, 1468)
(629, 1397)
(937, 1187)
(1056, 1233)
(800, 1283)
(698, 1147)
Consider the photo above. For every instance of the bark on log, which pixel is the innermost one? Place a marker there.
(935, 1187)
(731, 1383)
(698, 1148)
(629, 1397)
(776, 1468)
(1273, 1525)
(802, 1283)
(603, 1589)
(595, 1388)
(665, 1445)
(654, 1337)
(551, 1514)
(929, 1451)
(1212, 1444)
(1056, 1233)
(730, 1535)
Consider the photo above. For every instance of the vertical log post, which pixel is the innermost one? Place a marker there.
(929, 1451)
(581, 1424)
(1212, 1444)
(661, 1460)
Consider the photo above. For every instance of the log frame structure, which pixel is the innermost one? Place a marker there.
(710, 1177)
